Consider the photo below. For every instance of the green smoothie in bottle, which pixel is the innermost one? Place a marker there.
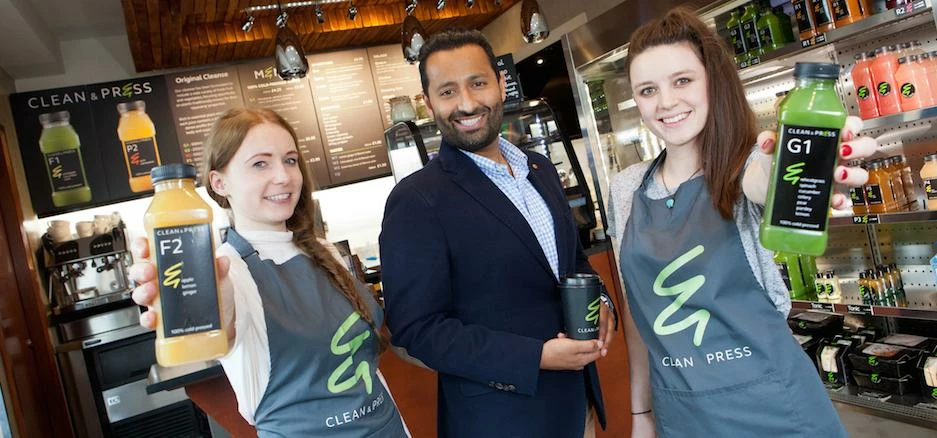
(809, 124)
(61, 150)
(736, 38)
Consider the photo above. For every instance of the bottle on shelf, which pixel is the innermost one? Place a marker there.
(914, 90)
(823, 15)
(929, 179)
(857, 194)
(897, 186)
(806, 23)
(792, 274)
(892, 4)
(774, 29)
(809, 123)
(884, 296)
(883, 69)
(848, 11)
(866, 289)
(820, 285)
(904, 49)
(879, 195)
(736, 38)
(749, 21)
(834, 292)
(865, 86)
(907, 181)
(893, 275)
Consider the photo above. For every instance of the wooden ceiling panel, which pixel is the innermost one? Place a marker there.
(185, 33)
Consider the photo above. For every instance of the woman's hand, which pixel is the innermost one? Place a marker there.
(143, 272)
(758, 174)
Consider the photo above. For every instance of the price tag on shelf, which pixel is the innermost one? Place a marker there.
(812, 41)
(865, 219)
(909, 8)
(755, 61)
(822, 306)
(859, 309)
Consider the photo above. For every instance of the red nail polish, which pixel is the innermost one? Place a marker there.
(845, 174)
(847, 150)
(767, 143)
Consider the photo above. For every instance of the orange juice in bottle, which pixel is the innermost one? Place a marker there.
(883, 70)
(138, 137)
(913, 88)
(178, 224)
(865, 87)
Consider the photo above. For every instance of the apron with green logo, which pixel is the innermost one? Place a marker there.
(323, 355)
(723, 362)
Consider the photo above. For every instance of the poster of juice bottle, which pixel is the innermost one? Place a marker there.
(61, 148)
(138, 138)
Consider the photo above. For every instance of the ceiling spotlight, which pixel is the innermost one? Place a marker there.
(469, 4)
(352, 11)
(281, 19)
(411, 6)
(539, 61)
(248, 24)
(440, 4)
(320, 15)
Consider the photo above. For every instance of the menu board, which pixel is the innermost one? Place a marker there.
(133, 126)
(262, 88)
(197, 99)
(349, 115)
(62, 160)
(393, 76)
(513, 87)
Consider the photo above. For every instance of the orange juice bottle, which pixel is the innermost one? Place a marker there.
(178, 224)
(883, 70)
(138, 137)
(914, 90)
(865, 87)
(823, 14)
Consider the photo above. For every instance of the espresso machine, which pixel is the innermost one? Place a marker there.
(103, 353)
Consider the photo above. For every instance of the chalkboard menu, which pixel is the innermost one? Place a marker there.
(513, 89)
(349, 116)
(293, 101)
(393, 76)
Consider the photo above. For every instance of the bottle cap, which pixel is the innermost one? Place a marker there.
(925, 56)
(58, 116)
(124, 107)
(819, 70)
(933, 54)
(172, 171)
(891, 48)
(914, 58)
(903, 60)
(905, 46)
(576, 280)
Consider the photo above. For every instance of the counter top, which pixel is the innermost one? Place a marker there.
(169, 378)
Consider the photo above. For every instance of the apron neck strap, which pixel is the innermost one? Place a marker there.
(239, 243)
(649, 174)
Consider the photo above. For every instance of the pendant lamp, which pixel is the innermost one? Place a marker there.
(290, 60)
(534, 25)
(412, 38)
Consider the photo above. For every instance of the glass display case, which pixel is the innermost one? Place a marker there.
(531, 125)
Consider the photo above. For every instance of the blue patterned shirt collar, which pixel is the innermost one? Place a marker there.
(514, 156)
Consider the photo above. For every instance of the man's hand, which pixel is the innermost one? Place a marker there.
(562, 353)
(606, 328)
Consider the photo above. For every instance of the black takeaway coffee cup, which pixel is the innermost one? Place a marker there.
(581, 305)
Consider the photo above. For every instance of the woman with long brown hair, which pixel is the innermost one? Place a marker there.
(708, 344)
(304, 334)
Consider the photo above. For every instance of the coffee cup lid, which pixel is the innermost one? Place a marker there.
(580, 280)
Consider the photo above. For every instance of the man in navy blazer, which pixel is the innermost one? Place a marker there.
(472, 248)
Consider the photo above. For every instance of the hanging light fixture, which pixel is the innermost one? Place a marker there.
(352, 11)
(248, 23)
(440, 4)
(412, 38)
(290, 60)
(469, 4)
(534, 25)
(411, 6)
(320, 15)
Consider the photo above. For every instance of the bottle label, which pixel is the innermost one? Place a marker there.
(186, 274)
(864, 293)
(857, 195)
(751, 34)
(841, 10)
(884, 88)
(785, 274)
(930, 189)
(764, 34)
(863, 92)
(804, 177)
(907, 90)
(802, 15)
(65, 170)
(738, 42)
(821, 289)
(821, 13)
(873, 194)
(141, 156)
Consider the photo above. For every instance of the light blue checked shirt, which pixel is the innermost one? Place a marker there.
(523, 195)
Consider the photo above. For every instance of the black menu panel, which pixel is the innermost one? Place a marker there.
(393, 76)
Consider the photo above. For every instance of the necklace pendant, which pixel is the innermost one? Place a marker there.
(669, 202)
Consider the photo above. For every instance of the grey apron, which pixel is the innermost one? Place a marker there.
(722, 360)
(323, 356)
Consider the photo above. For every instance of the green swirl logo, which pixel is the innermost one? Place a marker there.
(873, 361)
(362, 371)
(863, 92)
(793, 172)
(683, 292)
(907, 90)
(884, 88)
(593, 315)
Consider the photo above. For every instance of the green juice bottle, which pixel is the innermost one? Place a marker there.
(749, 20)
(792, 272)
(61, 149)
(809, 123)
(736, 39)
(773, 31)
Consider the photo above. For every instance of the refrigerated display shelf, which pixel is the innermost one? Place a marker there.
(885, 218)
(897, 119)
(914, 14)
(900, 408)
(929, 314)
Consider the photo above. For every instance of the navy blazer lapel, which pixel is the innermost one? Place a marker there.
(538, 177)
(467, 175)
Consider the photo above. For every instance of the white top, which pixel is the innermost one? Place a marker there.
(247, 365)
